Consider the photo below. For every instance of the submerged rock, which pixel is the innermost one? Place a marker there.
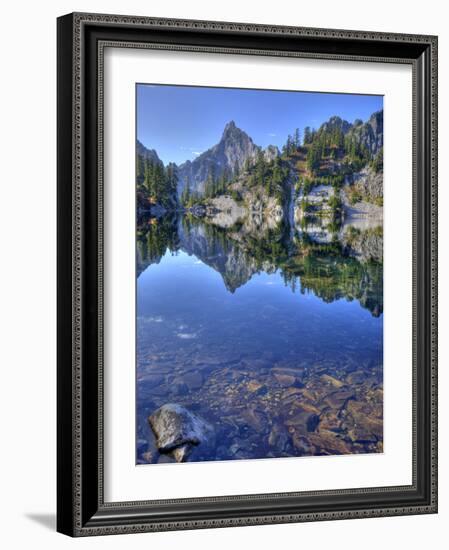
(178, 430)
(193, 380)
(284, 380)
(279, 438)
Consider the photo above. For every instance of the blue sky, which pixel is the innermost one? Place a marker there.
(180, 122)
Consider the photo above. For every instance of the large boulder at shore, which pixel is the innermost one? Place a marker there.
(178, 430)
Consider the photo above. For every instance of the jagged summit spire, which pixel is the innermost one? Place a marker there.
(230, 128)
(226, 158)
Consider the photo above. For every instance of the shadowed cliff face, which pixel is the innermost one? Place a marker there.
(342, 264)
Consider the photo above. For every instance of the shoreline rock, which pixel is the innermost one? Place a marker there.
(178, 430)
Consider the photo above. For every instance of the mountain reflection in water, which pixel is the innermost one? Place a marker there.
(274, 337)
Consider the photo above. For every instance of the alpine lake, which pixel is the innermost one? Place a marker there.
(272, 335)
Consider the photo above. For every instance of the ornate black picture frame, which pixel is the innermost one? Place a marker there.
(81, 510)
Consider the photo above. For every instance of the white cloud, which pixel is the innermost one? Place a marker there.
(272, 135)
(191, 149)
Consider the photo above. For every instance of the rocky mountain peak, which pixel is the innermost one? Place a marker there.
(233, 135)
(228, 156)
(335, 122)
(149, 154)
(370, 133)
(229, 128)
(376, 122)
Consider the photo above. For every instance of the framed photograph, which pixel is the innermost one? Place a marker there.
(247, 291)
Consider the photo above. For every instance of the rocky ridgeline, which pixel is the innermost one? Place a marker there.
(233, 159)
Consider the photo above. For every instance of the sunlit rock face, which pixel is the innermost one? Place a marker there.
(225, 212)
(370, 182)
(271, 152)
(317, 201)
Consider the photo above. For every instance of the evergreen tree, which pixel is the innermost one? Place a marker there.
(377, 162)
(314, 155)
(148, 177)
(297, 138)
(158, 182)
(341, 140)
(210, 187)
(140, 168)
(307, 135)
(277, 176)
(222, 182)
(172, 179)
(260, 168)
(185, 197)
